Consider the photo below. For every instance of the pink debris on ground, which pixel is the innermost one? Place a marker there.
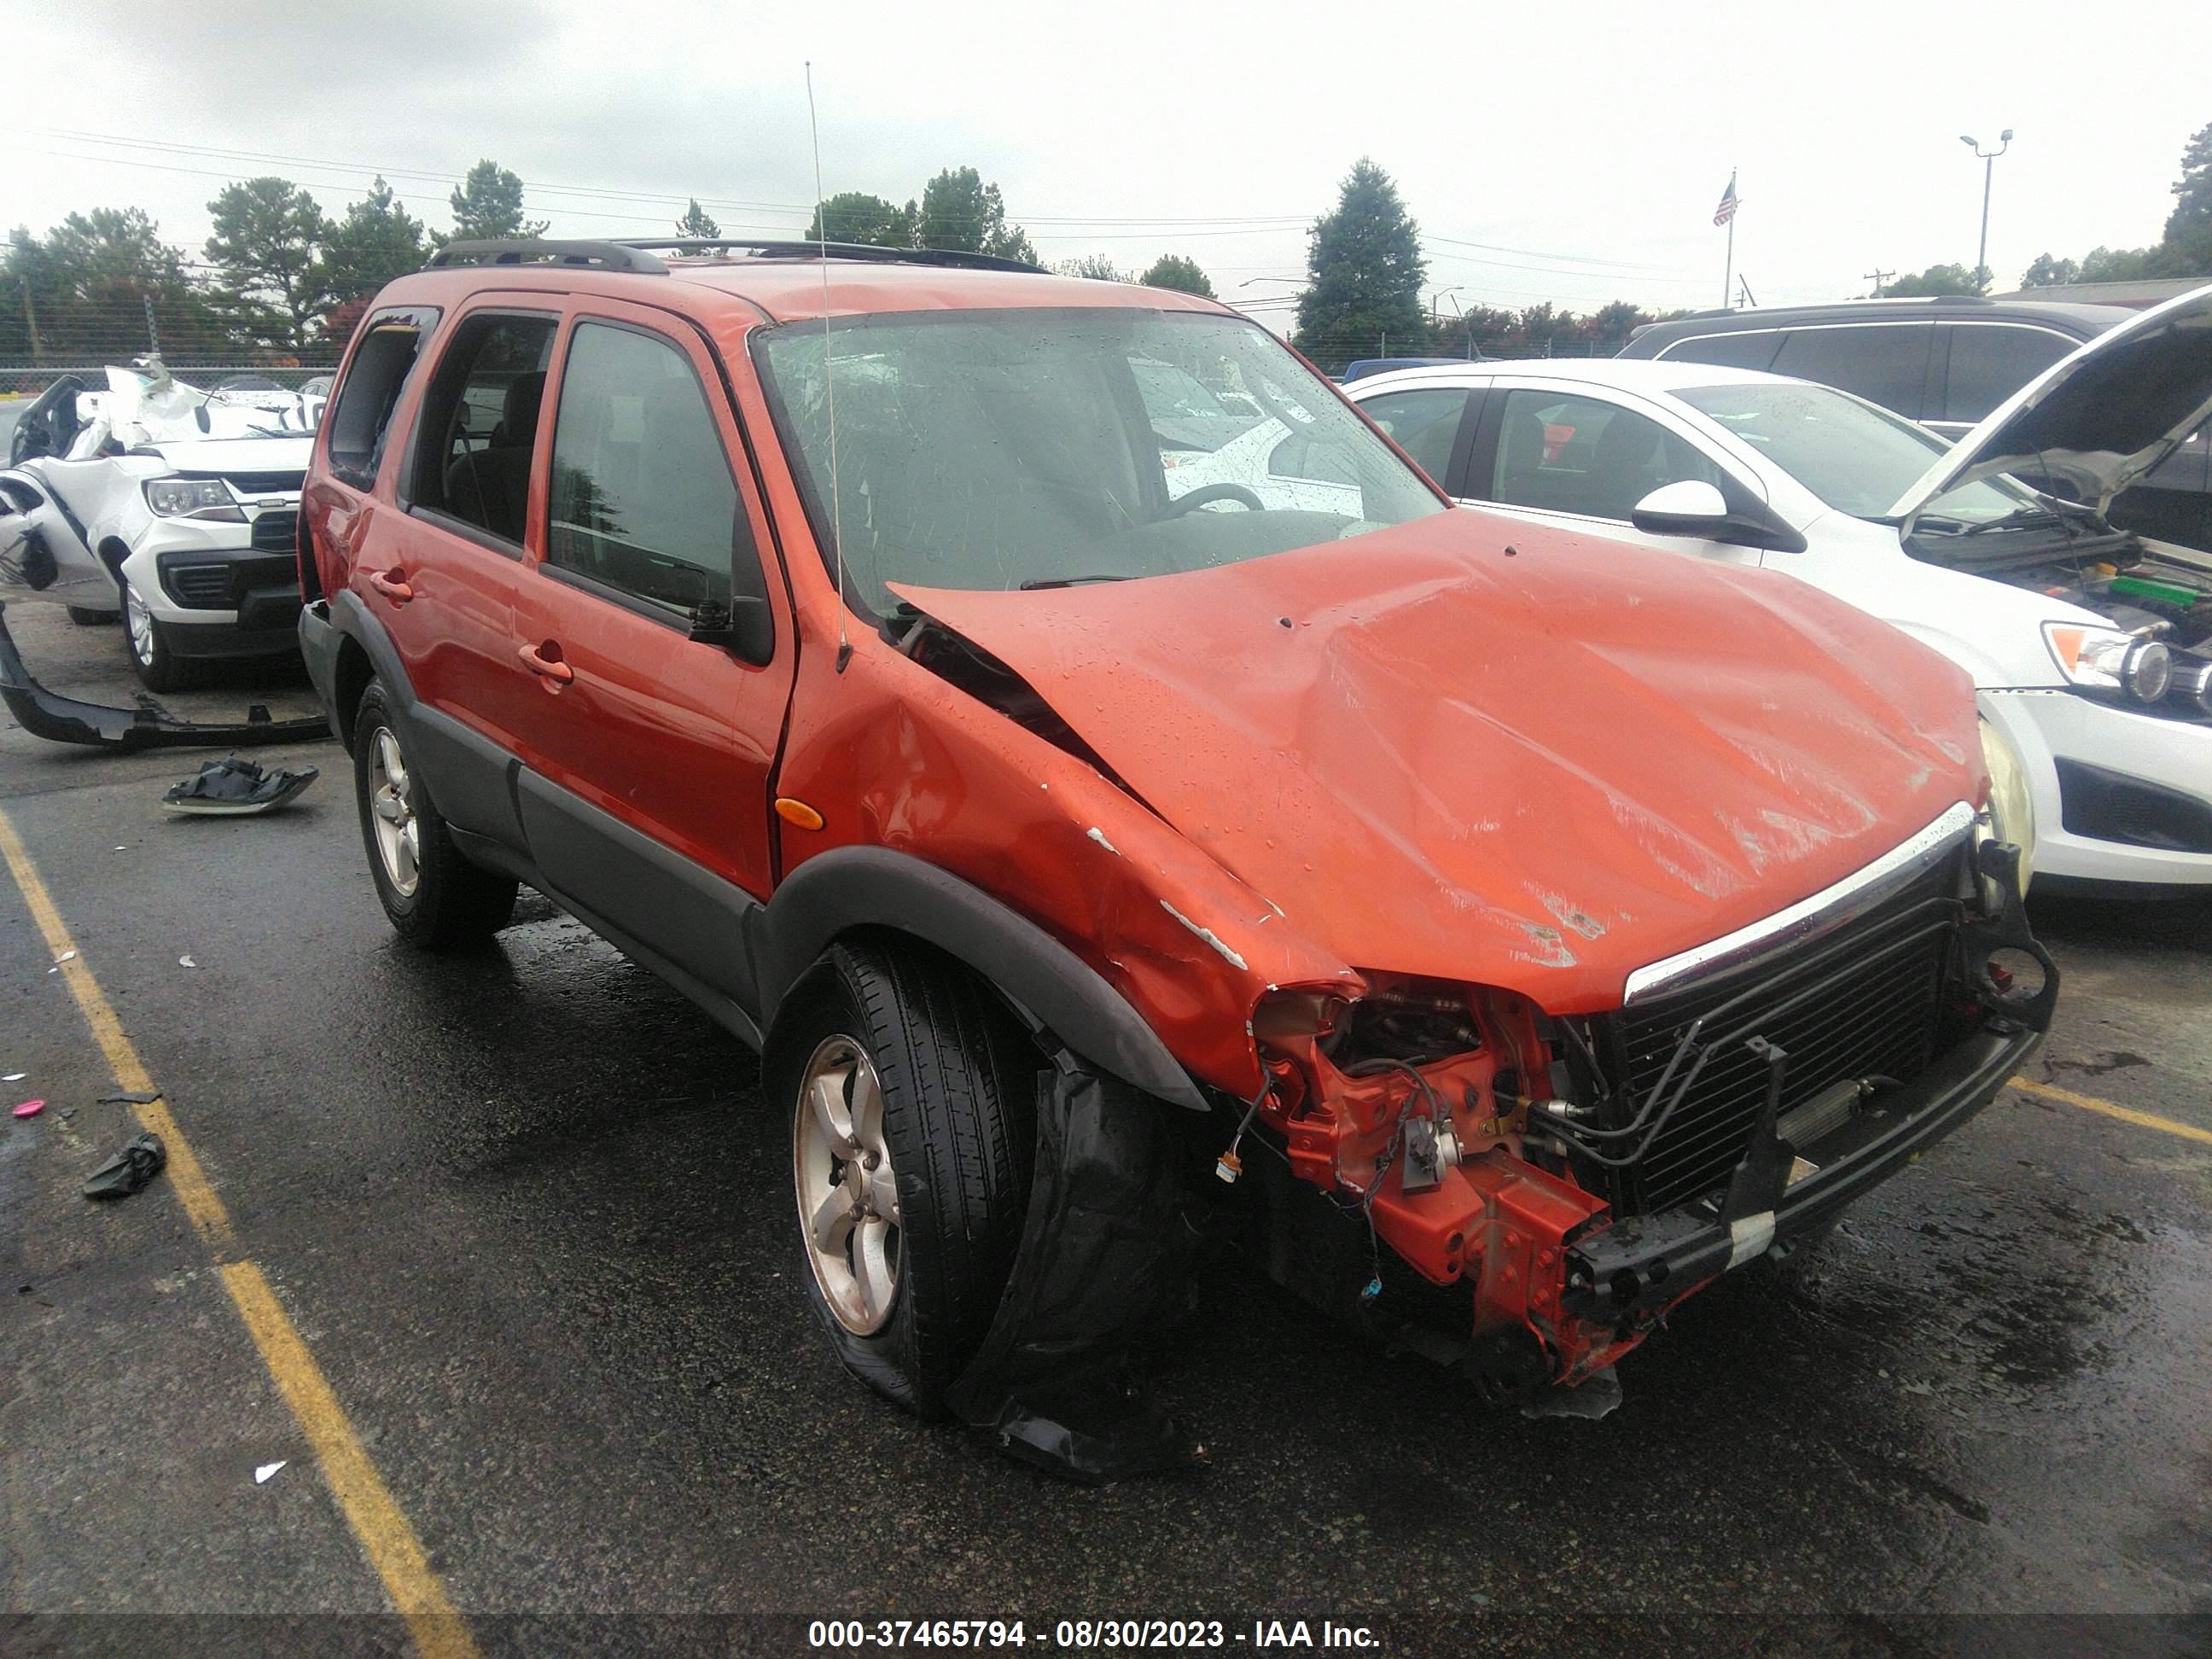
(31, 1108)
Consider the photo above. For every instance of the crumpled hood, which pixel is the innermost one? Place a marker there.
(224, 455)
(1540, 768)
(2095, 421)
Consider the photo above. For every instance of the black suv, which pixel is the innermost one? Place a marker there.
(1945, 363)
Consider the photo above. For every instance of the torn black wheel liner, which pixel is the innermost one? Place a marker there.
(1102, 1249)
(64, 719)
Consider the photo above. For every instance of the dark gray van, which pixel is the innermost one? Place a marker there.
(1945, 363)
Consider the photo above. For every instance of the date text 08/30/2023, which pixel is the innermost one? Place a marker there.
(1111, 1635)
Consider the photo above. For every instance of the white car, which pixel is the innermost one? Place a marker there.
(2091, 647)
(173, 506)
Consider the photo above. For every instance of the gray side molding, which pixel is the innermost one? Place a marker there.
(873, 886)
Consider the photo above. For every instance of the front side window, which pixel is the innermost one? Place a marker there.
(1005, 449)
(1578, 454)
(1859, 459)
(1990, 362)
(1884, 363)
(478, 428)
(642, 499)
(1425, 421)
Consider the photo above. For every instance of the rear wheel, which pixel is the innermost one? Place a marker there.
(435, 896)
(910, 1091)
(147, 638)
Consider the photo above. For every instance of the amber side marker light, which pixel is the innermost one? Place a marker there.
(798, 813)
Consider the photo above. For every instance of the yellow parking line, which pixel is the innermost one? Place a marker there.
(378, 1526)
(2125, 1114)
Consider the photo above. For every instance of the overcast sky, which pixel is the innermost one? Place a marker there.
(1591, 140)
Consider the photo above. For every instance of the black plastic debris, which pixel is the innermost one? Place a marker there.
(231, 787)
(132, 1097)
(1101, 1252)
(138, 1163)
(57, 718)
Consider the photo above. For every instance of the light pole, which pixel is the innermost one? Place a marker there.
(1441, 293)
(1988, 160)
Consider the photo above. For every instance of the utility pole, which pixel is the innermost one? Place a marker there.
(1877, 276)
(31, 322)
(153, 339)
(1988, 160)
(1750, 300)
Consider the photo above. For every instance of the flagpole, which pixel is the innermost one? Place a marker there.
(1727, 272)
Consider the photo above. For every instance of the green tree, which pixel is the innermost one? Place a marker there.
(1365, 271)
(2047, 272)
(488, 207)
(2119, 264)
(2187, 244)
(267, 246)
(1095, 266)
(854, 215)
(696, 221)
(960, 212)
(377, 241)
(1174, 270)
(89, 284)
(1938, 280)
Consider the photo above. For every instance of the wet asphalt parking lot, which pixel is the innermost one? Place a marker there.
(527, 1215)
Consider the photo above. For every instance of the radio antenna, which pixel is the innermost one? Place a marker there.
(828, 375)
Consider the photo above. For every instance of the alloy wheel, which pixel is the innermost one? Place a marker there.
(849, 1208)
(392, 805)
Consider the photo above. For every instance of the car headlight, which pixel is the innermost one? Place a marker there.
(2106, 659)
(192, 498)
(2009, 812)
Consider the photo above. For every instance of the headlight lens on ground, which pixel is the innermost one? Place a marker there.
(192, 498)
(2009, 812)
(2106, 659)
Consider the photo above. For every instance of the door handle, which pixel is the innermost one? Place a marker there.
(391, 587)
(551, 667)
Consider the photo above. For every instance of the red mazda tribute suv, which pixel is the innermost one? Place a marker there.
(1115, 790)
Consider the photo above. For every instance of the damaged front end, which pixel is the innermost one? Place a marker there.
(1555, 1185)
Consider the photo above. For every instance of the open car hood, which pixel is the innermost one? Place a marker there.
(1542, 768)
(2094, 422)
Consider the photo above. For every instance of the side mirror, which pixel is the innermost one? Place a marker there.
(1690, 507)
(745, 627)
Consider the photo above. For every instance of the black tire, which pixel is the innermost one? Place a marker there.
(157, 664)
(453, 904)
(958, 1077)
(85, 615)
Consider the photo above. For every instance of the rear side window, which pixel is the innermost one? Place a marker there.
(479, 423)
(643, 500)
(391, 343)
(1990, 362)
(1885, 363)
(1752, 348)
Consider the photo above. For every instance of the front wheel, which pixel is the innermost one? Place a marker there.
(910, 1091)
(433, 895)
(146, 637)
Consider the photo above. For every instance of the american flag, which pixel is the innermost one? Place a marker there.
(1726, 211)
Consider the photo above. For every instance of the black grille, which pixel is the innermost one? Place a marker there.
(1867, 1001)
(265, 483)
(200, 586)
(274, 532)
(2112, 807)
(224, 587)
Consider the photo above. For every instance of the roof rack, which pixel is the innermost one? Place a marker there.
(795, 250)
(535, 251)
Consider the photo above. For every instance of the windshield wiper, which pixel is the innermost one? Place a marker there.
(1072, 582)
(2015, 519)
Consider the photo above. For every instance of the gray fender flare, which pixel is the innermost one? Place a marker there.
(854, 887)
